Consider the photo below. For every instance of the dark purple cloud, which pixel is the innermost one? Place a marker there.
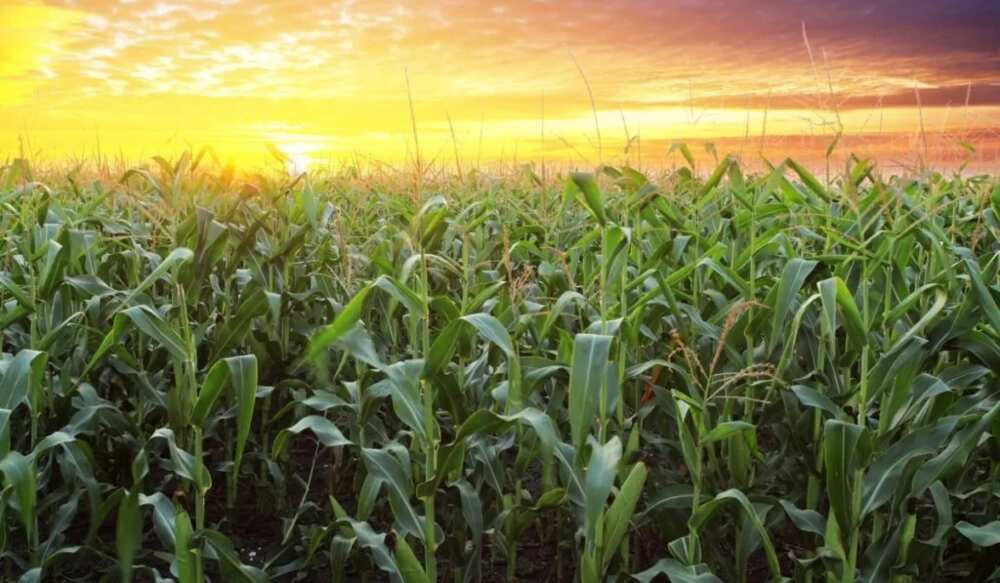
(905, 27)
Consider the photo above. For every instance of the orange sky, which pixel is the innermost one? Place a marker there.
(325, 80)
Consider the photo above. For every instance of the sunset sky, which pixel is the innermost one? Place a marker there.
(325, 79)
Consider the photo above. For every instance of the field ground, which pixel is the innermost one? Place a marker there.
(586, 377)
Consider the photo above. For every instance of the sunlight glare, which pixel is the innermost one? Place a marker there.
(299, 155)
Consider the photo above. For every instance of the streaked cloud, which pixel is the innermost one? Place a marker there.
(217, 69)
(31, 35)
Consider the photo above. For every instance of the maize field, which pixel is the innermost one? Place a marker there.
(594, 377)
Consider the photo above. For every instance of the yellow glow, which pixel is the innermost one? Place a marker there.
(299, 154)
(30, 35)
(324, 80)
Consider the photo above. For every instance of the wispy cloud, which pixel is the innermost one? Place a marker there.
(674, 66)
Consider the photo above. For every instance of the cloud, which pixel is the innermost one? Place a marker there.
(891, 95)
(333, 49)
(30, 35)
(218, 67)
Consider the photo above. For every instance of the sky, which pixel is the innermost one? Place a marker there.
(516, 80)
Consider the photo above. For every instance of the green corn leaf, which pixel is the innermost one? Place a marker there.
(942, 503)
(176, 257)
(793, 335)
(592, 197)
(341, 325)
(49, 442)
(443, 347)
(108, 342)
(243, 374)
(707, 510)
(727, 429)
(493, 331)
(808, 179)
(907, 303)
(90, 284)
(5, 415)
(211, 389)
(987, 535)
(677, 573)
(19, 474)
(689, 448)
(485, 421)
(881, 558)
(184, 463)
(558, 309)
(588, 372)
(805, 520)
(620, 512)
(404, 295)
(375, 543)
(57, 257)
(940, 298)
(234, 330)
(61, 522)
(128, 533)
(145, 175)
(409, 567)
(598, 480)
(816, 400)
(385, 466)
(404, 380)
(15, 290)
(792, 277)
(368, 495)
(835, 294)
(588, 568)
(986, 301)
(953, 457)
(232, 567)
(324, 429)
(164, 519)
(713, 180)
(151, 324)
(472, 508)
(677, 496)
(685, 152)
(482, 421)
(358, 343)
(843, 447)
(62, 330)
(883, 477)
(12, 316)
(22, 378)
